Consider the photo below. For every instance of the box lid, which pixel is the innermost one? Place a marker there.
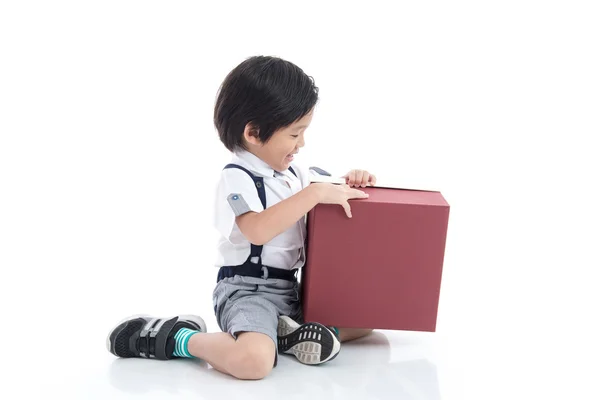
(384, 184)
(402, 196)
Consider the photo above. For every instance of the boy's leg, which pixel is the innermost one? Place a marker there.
(256, 308)
(348, 334)
(251, 356)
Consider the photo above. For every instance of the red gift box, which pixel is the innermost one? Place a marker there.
(380, 269)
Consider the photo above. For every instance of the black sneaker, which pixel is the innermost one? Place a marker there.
(148, 337)
(311, 343)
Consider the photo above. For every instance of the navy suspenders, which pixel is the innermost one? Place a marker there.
(249, 268)
(255, 251)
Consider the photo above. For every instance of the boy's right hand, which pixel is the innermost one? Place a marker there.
(329, 193)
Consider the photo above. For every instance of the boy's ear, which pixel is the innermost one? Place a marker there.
(251, 134)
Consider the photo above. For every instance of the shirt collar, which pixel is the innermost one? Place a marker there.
(253, 163)
(256, 165)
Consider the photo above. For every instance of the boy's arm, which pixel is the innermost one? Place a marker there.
(260, 228)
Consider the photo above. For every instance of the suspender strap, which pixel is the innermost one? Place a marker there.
(320, 171)
(255, 251)
(249, 268)
(258, 182)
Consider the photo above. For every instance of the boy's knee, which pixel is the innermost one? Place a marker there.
(253, 360)
(253, 363)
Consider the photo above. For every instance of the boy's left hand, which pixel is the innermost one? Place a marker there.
(360, 178)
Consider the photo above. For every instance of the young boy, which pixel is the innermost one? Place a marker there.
(263, 108)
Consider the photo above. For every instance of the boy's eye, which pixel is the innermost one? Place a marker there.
(295, 135)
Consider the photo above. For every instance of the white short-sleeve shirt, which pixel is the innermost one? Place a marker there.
(237, 194)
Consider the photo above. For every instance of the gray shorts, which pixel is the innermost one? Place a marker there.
(248, 304)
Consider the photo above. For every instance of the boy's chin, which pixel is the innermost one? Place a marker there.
(285, 164)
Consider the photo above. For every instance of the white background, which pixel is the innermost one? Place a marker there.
(108, 160)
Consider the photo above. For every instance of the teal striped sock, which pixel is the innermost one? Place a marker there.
(182, 337)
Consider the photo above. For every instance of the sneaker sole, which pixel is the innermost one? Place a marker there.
(308, 347)
(193, 318)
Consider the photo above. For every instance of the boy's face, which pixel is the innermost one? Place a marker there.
(279, 151)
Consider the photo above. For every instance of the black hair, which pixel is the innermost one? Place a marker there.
(267, 92)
